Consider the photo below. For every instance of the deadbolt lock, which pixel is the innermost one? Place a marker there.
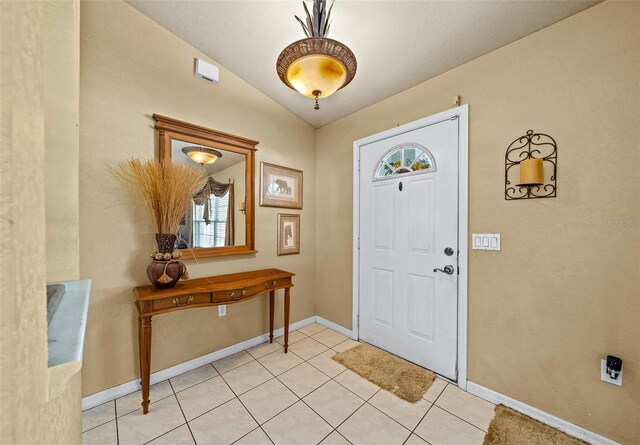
(448, 251)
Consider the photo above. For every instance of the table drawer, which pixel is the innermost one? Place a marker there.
(231, 295)
(182, 300)
(250, 291)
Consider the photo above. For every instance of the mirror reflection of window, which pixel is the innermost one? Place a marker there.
(210, 230)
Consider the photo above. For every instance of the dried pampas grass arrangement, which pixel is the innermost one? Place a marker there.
(163, 188)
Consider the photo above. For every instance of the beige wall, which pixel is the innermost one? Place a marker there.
(563, 292)
(130, 67)
(39, 405)
(61, 99)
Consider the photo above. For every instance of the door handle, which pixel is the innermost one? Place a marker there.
(448, 269)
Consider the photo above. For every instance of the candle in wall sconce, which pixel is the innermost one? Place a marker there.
(242, 207)
(531, 172)
(531, 167)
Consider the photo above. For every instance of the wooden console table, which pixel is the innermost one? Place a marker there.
(202, 292)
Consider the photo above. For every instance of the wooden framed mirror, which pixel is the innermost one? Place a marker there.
(221, 220)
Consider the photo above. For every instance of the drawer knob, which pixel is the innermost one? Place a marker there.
(268, 285)
(244, 292)
(188, 301)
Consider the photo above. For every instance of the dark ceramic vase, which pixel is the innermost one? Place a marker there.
(157, 269)
(164, 274)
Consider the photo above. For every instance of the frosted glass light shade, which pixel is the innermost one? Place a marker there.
(202, 155)
(316, 64)
(316, 72)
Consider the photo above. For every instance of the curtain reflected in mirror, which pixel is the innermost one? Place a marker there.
(216, 218)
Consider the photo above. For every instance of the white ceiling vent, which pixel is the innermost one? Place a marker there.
(207, 71)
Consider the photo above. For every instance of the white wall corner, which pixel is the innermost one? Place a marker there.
(336, 327)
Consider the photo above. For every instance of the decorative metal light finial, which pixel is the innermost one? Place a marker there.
(316, 66)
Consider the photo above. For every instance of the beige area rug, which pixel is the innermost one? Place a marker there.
(510, 427)
(402, 378)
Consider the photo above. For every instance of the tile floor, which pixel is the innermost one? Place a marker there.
(263, 396)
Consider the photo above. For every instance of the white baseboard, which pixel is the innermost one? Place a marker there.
(127, 388)
(556, 422)
(336, 327)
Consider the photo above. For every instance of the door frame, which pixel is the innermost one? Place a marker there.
(462, 114)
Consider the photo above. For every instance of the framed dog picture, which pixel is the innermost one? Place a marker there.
(280, 186)
(288, 234)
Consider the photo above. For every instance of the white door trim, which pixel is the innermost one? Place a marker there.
(462, 113)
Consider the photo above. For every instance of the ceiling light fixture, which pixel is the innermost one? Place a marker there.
(202, 155)
(316, 66)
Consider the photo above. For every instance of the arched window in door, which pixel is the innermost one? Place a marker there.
(405, 159)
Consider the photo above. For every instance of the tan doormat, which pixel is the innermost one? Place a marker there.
(402, 378)
(510, 427)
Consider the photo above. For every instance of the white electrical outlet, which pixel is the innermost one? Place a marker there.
(222, 310)
(606, 378)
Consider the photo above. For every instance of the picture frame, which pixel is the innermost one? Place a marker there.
(280, 186)
(288, 234)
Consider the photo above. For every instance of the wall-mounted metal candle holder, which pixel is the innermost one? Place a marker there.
(531, 167)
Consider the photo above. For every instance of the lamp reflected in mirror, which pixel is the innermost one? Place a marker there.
(202, 155)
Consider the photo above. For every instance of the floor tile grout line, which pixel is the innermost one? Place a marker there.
(323, 371)
(182, 411)
(235, 367)
(397, 421)
(286, 370)
(268, 353)
(217, 406)
(358, 395)
(465, 421)
(195, 384)
(242, 403)
(164, 434)
(382, 412)
(306, 360)
(413, 431)
(455, 415)
(255, 429)
(350, 415)
(150, 402)
(253, 387)
(320, 415)
(98, 426)
(284, 409)
(268, 437)
(290, 389)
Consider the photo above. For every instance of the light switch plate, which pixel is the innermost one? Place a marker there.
(485, 241)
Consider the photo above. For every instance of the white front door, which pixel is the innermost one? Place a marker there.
(408, 228)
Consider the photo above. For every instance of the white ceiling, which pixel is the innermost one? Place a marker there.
(398, 44)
